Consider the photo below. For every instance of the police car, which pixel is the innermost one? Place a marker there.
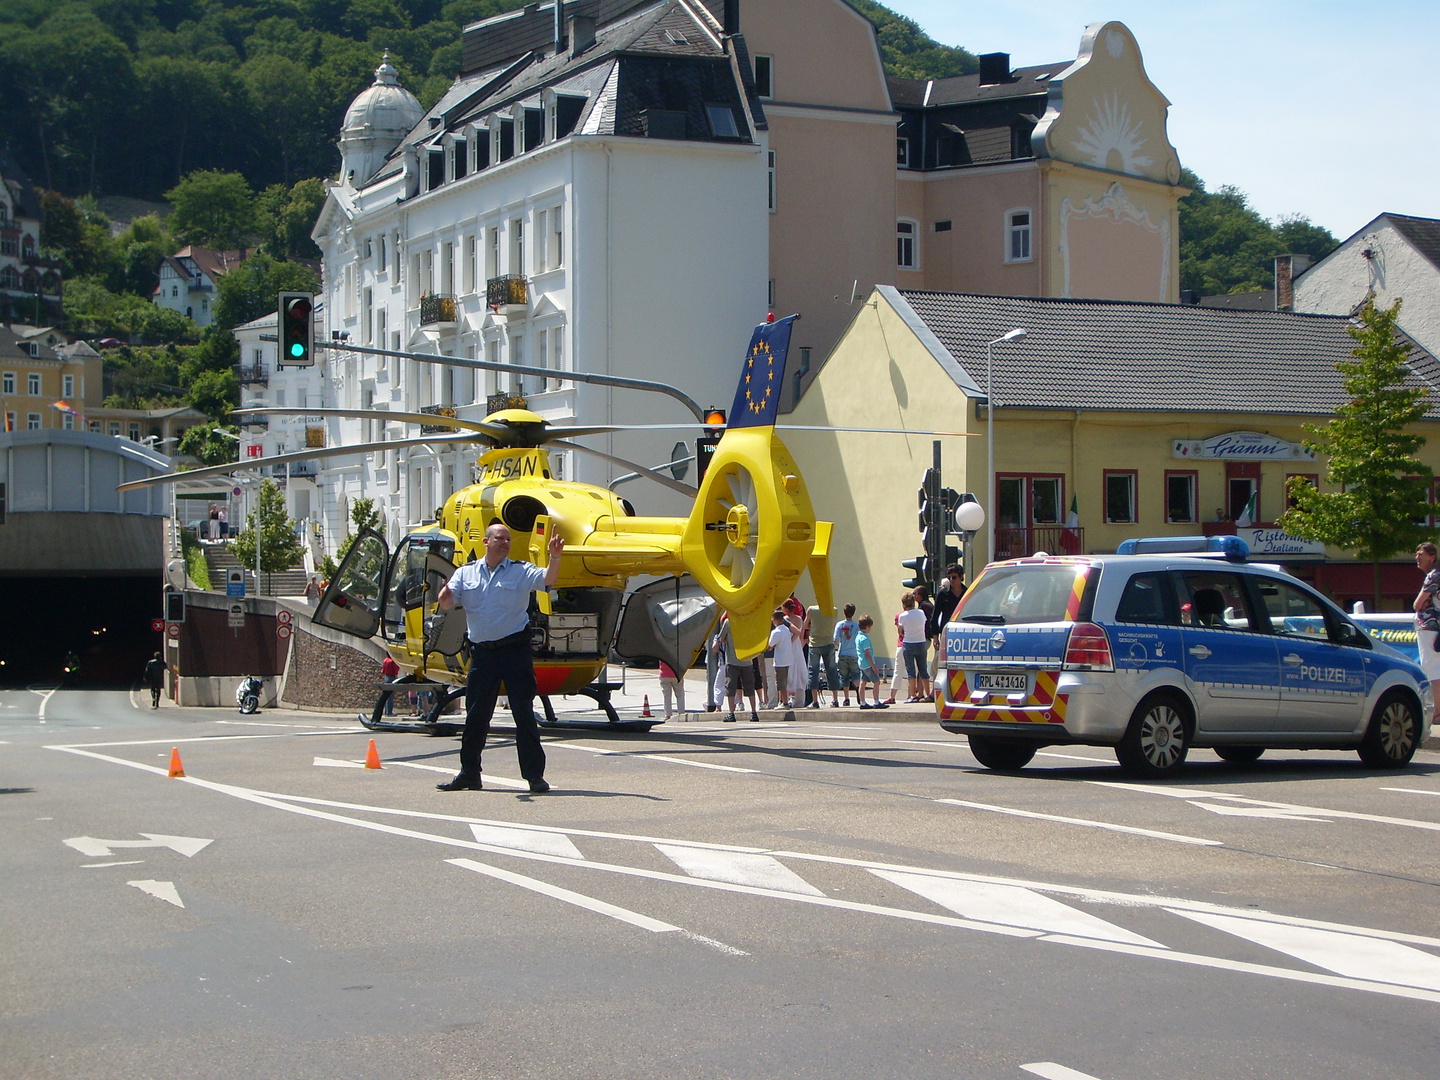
(1168, 644)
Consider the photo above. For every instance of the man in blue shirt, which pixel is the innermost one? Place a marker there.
(495, 596)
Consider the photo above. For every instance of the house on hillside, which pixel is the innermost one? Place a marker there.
(1147, 419)
(30, 286)
(1394, 257)
(187, 280)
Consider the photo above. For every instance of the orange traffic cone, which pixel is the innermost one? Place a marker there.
(176, 769)
(646, 710)
(372, 757)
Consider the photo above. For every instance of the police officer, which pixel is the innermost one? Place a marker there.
(495, 595)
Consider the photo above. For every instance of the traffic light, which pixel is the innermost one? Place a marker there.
(921, 567)
(705, 445)
(174, 607)
(297, 331)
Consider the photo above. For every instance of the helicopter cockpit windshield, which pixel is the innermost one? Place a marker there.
(422, 565)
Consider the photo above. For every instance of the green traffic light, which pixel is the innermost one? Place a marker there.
(297, 350)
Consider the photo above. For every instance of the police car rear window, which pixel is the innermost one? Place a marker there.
(1024, 594)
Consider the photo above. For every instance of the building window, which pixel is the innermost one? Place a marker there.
(557, 239)
(368, 248)
(32, 421)
(469, 258)
(380, 256)
(517, 246)
(68, 382)
(135, 432)
(1017, 236)
(722, 121)
(8, 382)
(902, 151)
(492, 254)
(1180, 500)
(765, 76)
(542, 241)
(67, 421)
(770, 178)
(1120, 506)
(906, 257)
(770, 295)
(942, 226)
(115, 428)
(32, 382)
(9, 421)
(369, 316)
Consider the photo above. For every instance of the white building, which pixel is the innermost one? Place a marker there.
(187, 280)
(264, 383)
(589, 196)
(1395, 257)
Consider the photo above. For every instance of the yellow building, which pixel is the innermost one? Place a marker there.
(34, 377)
(1149, 419)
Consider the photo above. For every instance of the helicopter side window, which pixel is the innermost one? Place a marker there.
(422, 567)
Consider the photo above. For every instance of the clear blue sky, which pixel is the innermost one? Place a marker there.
(1316, 107)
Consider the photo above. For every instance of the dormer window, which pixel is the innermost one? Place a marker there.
(722, 121)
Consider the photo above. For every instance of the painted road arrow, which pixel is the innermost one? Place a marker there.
(188, 846)
(161, 890)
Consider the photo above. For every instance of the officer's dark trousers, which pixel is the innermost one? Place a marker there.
(489, 668)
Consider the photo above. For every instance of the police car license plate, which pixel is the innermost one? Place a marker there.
(1001, 682)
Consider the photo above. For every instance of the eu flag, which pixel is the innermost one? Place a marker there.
(757, 398)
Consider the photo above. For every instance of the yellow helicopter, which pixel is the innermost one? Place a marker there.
(749, 537)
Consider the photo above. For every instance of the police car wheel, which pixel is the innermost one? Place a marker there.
(1001, 754)
(1239, 754)
(1158, 738)
(1394, 733)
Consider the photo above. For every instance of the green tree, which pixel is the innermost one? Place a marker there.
(909, 52)
(1384, 489)
(280, 547)
(286, 217)
(208, 443)
(213, 209)
(363, 515)
(253, 288)
(215, 393)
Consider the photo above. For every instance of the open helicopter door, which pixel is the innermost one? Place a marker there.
(355, 601)
(669, 619)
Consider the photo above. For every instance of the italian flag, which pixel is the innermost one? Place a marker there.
(1250, 513)
(1070, 539)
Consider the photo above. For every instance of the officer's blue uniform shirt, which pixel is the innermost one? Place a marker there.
(497, 602)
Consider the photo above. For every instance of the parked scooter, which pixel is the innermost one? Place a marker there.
(247, 694)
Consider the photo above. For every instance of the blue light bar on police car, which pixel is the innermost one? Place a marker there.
(1231, 547)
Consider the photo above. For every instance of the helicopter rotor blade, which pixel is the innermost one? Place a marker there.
(296, 455)
(874, 430)
(658, 477)
(494, 431)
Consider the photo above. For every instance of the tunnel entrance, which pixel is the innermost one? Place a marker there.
(104, 621)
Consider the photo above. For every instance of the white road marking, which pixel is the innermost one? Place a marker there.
(336, 763)
(1256, 812)
(262, 723)
(1012, 906)
(1345, 954)
(292, 804)
(579, 746)
(161, 890)
(696, 764)
(634, 918)
(98, 865)
(44, 702)
(547, 843)
(1410, 791)
(189, 846)
(1075, 757)
(761, 871)
(1105, 825)
(1048, 1070)
(1290, 808)
(487, 778)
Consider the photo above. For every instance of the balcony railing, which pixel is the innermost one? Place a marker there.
(500, 402)
(506, 291)
(1017, 543)
(255, 422)
(301, 468)
(437, 309)
(252, 374)
(437, 410)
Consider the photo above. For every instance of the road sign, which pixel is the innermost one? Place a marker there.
(235, 581)
(282, 616)
(282, 630)
(173, 630)
(237, 615)
(157, 625)
(236, 492)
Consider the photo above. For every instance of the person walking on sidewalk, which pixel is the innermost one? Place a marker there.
(155, 669)
(495, 595)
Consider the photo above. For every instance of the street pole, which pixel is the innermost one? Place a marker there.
(1013, 335)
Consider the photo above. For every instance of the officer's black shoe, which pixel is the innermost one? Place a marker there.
(461, 783)
(538, 786)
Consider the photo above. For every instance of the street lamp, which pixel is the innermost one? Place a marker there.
(1013, 335)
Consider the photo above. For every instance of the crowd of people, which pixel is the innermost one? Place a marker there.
(808, 657)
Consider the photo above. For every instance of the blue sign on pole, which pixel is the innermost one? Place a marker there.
(235, 582)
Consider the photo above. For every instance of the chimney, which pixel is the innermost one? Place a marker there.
(1287, 269)
(994, 68)
(559, 26)
(582, 34)
(731, 22)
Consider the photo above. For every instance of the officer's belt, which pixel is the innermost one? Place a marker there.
(520, 637)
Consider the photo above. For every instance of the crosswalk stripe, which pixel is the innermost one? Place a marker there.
(545, 843)
(697, 764)
(760, 871)
(1350, 955)
(1012, 906)
(1049, 1070)
(489, 779)
(589, 903)
(336, 763)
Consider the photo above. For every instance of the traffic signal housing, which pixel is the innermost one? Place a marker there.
(297, 329)
(920, 565)
(705, 445)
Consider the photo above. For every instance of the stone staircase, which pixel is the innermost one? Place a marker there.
(281, 583)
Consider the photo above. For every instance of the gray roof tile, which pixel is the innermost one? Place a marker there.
(1150, 357)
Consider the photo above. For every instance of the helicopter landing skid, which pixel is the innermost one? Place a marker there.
(433, 724)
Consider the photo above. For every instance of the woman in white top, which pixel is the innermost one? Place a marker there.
(911, 621)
